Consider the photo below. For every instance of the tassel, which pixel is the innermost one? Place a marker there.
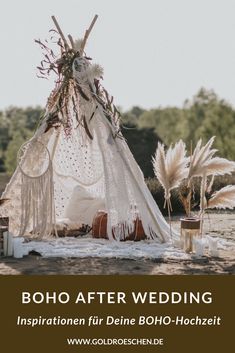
(37, 202)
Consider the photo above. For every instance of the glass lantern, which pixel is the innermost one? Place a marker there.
(190, 229)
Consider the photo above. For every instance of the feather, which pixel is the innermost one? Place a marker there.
(77, 44)
(3, 201)
(96, 71)
(170, 168)
(93, 71)
(223, 198)
(86, 127)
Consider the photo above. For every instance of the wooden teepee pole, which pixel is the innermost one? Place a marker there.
(60, 32)
(71, 40)
(87, 33)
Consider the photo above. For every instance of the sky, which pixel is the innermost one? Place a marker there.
(154, 52)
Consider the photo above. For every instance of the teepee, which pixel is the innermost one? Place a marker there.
(78, 144)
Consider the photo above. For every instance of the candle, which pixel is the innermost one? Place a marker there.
(18, 248)
(10, 245)
(5, 243)
(198, 247)
(213, 246)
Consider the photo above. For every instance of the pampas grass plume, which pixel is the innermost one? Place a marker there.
(170, 167)
(223, 198)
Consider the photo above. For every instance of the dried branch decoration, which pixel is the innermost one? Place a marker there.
(77, 82)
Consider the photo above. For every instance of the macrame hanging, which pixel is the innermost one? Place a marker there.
(37, 189)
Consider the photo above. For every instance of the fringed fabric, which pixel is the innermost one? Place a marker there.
(37, 202)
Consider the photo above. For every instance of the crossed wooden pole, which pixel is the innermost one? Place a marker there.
(87, 33)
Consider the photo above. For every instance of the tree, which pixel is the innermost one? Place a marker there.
(168, 123)
(33, 115)
(131, 117)
(207, 116)
(143, 144)
(4, 138)
(13, 148)
(16, 126)
(202, 116)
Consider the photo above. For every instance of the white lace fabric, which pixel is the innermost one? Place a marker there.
(103, 165)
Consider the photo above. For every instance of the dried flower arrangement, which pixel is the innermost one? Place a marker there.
(76, 79)
(174, 169)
